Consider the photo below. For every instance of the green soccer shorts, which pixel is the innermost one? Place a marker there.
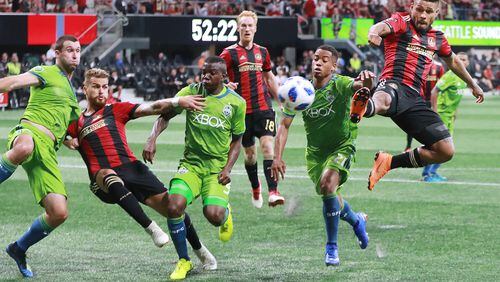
(41, 166)
(339, 159)
(199, 182)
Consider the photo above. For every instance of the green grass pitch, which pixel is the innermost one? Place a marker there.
(418, 231)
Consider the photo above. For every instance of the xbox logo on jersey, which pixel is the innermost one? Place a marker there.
(211, 121)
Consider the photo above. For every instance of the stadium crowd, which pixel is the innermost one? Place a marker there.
(155, 77)
(305, 10)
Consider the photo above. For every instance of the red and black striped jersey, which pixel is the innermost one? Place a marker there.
(409, 52)
(435, 73)
(102, 137)
(246, 67)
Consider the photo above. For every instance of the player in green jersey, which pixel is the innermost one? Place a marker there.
(330, 144)
(34, 141)
(445, 98)
(213, 142)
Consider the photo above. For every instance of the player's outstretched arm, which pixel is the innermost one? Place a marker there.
(164, 106)
(234, 152)
(14, 82)
(365, 78)
(376, 32)
(161, 123)
(278, 168)
(458, 68)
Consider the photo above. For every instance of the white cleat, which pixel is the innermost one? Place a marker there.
(207, 259)
(257, 200)
(275, 199)
(159, 237)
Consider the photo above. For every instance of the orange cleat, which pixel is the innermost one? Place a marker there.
(381, 166)
(359, 103)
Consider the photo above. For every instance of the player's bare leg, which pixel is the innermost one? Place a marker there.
(159, 203)
(252, 172)
(267, 148)
(111, 183)
(22, 147)
(439, 152)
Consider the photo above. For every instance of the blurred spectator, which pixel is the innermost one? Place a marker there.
(355, 63)
(115, 87)
(488, 77)
(51, 53)
(336, 22)
(119, 64)
(4, 60)
(14, 68)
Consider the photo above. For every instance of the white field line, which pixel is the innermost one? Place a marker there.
(303, 176)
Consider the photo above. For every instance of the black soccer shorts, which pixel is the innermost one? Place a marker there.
(137, 178)
(259, 124)
(411, 113)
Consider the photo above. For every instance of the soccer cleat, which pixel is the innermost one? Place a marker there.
(331, 255)
(439, 177)
(275, 199)
(359, 103)
(360, 230)
(181, 270)
(159, 237)
(20, 258)
(257, 197)
(381, 166)
(226, 229)
(207, 259)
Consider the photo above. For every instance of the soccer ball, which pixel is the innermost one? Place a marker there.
(296, 94)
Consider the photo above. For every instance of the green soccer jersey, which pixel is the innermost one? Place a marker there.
(53, 103)
(327, 121)
(451, 88)
(209, 132)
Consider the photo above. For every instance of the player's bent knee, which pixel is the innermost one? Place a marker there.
(214, 214)
(176, 207)
(22, 150)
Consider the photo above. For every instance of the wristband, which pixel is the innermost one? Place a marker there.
(175, 101)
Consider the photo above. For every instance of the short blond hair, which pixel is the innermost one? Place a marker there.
(247, 13)
(94, 72)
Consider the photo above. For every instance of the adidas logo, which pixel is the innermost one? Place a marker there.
(243, 57)
(416, 37)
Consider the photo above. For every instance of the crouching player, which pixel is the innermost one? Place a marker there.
(116, 175)
(213, 142)
(330, 145)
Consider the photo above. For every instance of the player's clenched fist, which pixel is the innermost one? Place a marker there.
(374, 39)
(224, 178)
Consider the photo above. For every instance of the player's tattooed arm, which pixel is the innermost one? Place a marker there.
(14, 82)
(278, 168)
(161, 123)
(164, 106)
(234, 152)
(365, 78)
(376, 32)
(456, 65)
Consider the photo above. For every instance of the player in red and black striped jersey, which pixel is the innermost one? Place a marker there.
(249, 70)
(435, 72)
(409, 44)
(116, 176)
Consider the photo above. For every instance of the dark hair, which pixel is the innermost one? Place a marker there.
(330, 49)
(217, 60)
(60, 41)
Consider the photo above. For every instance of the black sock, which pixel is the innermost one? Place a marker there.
(129, 203)
(191, 234)
(252, 175)
(271, 183)
(370, 109)
(408, 159)
(408, 140)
